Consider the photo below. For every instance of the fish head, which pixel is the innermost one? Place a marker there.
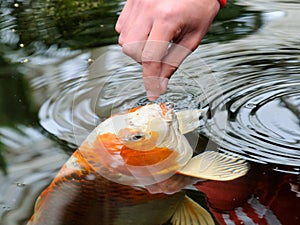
(140, 147)
(146, 128)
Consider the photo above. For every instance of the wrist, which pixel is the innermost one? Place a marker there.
(222, 3)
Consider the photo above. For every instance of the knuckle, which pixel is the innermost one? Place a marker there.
(121, 41)
(131, 51)
(127, 50)
(118, 28)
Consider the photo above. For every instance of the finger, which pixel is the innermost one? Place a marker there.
(152, 86)
(152, 55)
(124, 15)
(154, 51)
(176, 54)
(134, 35)
(133, 39)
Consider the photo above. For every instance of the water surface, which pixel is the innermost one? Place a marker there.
(245, 76)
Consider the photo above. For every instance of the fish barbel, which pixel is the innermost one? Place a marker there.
(131, 170)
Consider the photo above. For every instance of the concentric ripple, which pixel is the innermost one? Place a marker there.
(262, 98)
(73, 112)
(251, 107)
(250, 96)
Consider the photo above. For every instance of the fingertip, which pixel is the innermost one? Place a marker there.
(151, 97)
(155, 86)
(152, 86)
(164, 85)
(153, 94)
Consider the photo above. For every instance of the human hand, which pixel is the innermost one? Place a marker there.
(160, 34)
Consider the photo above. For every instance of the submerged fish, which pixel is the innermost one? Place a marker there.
(131, 170)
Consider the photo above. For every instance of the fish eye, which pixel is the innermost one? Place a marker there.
(136, 137)
(132, 135)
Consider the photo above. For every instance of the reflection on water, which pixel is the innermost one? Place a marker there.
(76, 24)
(33, 162)
(260, 81)
(248, 86)
(89, 99)
(261, 98)
(251, 103)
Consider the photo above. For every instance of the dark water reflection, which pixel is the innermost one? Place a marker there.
(246, 77)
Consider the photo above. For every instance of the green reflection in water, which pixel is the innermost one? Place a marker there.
(15, 101)
(75, 24)
(233, 22)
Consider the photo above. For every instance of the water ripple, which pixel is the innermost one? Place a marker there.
(251, 102)
(262, 96)
(252, 105)
(73, 111)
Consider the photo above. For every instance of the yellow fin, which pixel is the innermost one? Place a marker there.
(212, 165)
(191, 213)
(188, 120)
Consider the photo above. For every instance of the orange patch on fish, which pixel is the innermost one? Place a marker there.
(112, 144)
(109, 141)
(145, 158)
(134, 109)
(164, 108)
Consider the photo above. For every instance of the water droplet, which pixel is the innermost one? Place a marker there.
(20, 184)
(25, 60)
(90, 60)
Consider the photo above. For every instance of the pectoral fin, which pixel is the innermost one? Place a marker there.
(188, 120)
(190, 213)
(212, 165)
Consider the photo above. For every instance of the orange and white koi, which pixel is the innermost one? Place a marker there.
(131, 170)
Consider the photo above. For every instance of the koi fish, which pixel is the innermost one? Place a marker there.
(132, 169)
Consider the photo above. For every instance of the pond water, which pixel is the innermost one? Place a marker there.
(60, 79)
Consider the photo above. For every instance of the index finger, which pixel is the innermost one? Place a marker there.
(152, 56)
(156, 47)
